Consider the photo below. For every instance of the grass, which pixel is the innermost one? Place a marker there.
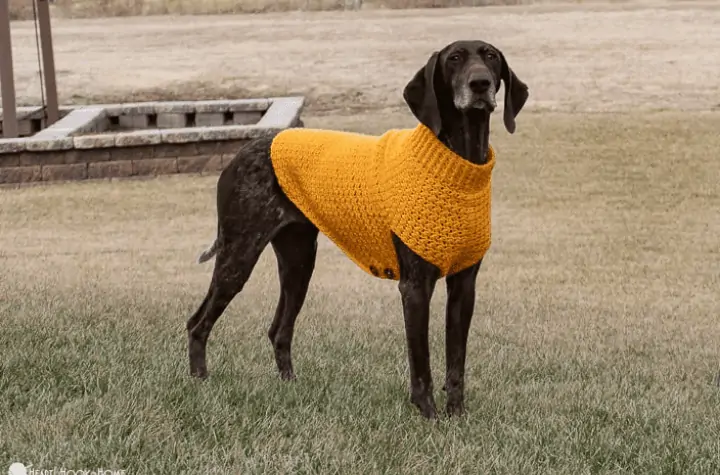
(361, 60)
(593, 348)
(22, 9)
(594, 343)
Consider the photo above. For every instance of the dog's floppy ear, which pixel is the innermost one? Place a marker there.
(420, 96)
(516, 93)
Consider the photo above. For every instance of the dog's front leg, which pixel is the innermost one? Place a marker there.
(416, 309)
(459, 312)
(417, 282)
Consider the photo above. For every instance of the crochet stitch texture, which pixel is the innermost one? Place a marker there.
(358, 188)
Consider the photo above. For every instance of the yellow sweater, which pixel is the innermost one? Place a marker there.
(358, 188)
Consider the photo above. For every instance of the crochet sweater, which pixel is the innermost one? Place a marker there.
(358, 188)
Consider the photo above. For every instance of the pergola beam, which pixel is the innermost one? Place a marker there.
(7, 78)
(48, 61)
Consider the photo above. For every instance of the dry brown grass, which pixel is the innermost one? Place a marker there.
(22, 9)
(110, 8)
(617, 210)
(580, 59)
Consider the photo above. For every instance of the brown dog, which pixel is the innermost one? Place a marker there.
(453, 95)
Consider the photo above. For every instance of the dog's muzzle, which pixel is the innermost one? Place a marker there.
(478, 92)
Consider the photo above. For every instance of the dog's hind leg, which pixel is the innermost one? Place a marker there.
(251, 210)
(233, 265)
(295, 248)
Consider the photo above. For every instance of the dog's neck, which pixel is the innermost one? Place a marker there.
(469, 135)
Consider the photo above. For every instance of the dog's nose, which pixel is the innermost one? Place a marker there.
(479, 85)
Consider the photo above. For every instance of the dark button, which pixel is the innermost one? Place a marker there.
(374, 271)
(389, 273)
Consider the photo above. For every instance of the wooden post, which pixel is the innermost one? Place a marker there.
(7, 78)
(48, 61)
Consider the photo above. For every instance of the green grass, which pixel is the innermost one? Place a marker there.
(102, 382)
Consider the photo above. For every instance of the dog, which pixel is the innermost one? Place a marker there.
(452, 96)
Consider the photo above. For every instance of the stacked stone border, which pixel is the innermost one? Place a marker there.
(95, 142)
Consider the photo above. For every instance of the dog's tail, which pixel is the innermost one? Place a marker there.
(207, 255)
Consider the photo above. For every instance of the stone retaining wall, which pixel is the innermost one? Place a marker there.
(83, 145)
(160, 159)
(30, 120)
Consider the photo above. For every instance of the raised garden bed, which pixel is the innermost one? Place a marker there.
(31, 120)
(149, 138)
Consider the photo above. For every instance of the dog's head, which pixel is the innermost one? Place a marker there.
(463, 77)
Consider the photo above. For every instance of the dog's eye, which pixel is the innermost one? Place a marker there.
(454, 57)
(491, 56)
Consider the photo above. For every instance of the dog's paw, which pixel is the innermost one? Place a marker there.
(199, 373)
(455, 409)
(287, 375)
(426, 405)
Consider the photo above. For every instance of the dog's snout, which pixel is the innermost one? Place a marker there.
(479, 85)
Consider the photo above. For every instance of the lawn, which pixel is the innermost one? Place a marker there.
(594, 345)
